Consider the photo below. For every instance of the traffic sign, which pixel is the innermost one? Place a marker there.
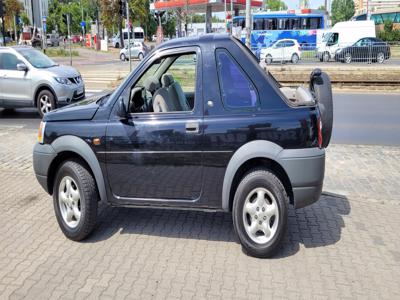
(44, 19)
(83, 24)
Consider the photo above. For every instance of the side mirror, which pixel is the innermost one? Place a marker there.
(22, 67)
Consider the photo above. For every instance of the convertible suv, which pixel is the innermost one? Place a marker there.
(197, 125)
(28, 78)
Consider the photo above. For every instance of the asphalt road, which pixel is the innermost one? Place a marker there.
(361, 119)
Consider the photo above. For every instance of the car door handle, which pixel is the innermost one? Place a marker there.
(192, 127)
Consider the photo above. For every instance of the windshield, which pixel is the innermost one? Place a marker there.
(326, 37)
(37, 58)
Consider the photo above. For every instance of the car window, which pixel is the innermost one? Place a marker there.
(278, 44)
(184, 72)
(237, 91)
(168, 85)
(37, 58)
(289, 44)
(8, 61)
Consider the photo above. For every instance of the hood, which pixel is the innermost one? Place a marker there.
(63, 71)
(82, 110)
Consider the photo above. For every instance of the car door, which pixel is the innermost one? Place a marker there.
(277, 51)
(156, 156)
(15, 85)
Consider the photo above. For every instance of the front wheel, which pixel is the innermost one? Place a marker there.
(326, 57)
(75, 198)
(122, 57)
(268, 59)
(140, 56)
(45, 102)
(347, 58)
(260, 213)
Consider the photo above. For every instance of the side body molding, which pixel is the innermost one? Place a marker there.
(248, 151)
(79, 146)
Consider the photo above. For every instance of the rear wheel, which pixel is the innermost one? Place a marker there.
(140, 56)
(326, 57)
(268, 59)
(75, 200)
(295, 58)
(260, 213)
(122, 57)
(45, 102)
(117, 45)
(347, 58)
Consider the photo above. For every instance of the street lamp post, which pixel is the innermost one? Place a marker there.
(248, 20)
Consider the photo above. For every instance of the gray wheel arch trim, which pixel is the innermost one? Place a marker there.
(74, 144)
(248, 151)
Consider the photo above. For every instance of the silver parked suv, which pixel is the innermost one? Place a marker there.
(28, 78)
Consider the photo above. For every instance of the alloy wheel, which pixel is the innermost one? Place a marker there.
(347, 58)
(260, 215)
(380, 58)
(69, 201)
(45, 104)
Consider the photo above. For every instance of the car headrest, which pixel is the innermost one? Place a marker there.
(151, 84)
(167, 80)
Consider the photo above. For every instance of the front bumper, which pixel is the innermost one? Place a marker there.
(305, 169)
(68, 93)
(43, 156)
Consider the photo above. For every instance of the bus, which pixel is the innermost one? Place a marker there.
(306, 26)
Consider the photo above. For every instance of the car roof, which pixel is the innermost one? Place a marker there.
(208, 38)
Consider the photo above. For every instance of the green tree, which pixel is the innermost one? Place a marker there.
(275, 5)
(342, 10)
(321, 7)
(25, 19)
(11, 9)
(389, 33)
(169, 24)
(139, 10)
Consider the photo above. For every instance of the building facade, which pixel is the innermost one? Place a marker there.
(373, 5)
(36, 10)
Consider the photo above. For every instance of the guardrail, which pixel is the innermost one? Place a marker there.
(361, 53)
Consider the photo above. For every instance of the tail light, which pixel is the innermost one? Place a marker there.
(319, 128)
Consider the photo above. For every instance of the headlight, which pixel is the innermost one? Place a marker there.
(42, 126)
(63, 80)
(339, 50)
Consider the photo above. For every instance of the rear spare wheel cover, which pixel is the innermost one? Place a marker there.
(323, 93)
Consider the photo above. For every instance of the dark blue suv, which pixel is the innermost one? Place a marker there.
(197, 125)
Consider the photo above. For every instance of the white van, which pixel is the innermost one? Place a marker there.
(137, 35)
(343, 34)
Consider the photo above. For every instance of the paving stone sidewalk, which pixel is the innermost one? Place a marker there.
(347, 245)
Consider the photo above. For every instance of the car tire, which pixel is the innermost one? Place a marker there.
(260, 213)
(347, 58)
(140, 56)
(45, 102)
(117, 45)
(75, 199)
(326, 57)
(380, 57)
(295, 58)
(268, 59)
(122, 57)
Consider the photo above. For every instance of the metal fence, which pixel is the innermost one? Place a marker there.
(354, 53)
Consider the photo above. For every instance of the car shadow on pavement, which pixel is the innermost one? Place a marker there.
(318, 225)
(20, 113)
